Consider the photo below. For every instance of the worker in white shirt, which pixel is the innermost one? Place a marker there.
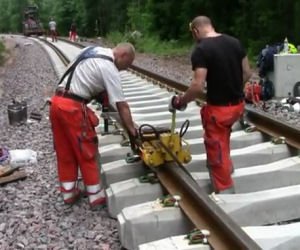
(53, 32)
(95, 70)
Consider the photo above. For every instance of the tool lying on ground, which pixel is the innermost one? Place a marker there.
(35, 116)
(161, 145)
(47, 101)
(7, 170)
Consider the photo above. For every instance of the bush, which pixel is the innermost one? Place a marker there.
(2, 50)
(253, 49)
(150, 44)
(116, 37)
(153, 44)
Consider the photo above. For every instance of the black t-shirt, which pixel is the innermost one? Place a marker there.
(222, 57)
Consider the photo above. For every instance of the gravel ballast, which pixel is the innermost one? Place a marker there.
(32, 213)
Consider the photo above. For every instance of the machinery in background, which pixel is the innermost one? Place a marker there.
(278, 65)
(31, 23)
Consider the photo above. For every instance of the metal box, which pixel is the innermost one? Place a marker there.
(286, 73)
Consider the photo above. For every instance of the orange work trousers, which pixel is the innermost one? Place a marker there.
(217, 122)
(53, 35)
(73, 35)
(75, 140)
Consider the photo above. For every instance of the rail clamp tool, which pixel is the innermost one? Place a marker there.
(162, 145)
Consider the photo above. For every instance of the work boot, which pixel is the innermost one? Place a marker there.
(98, 204)
(70, 192)
(75, 197)
(96, 196)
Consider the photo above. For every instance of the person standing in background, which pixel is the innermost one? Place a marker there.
(73, 31)
(53, 32)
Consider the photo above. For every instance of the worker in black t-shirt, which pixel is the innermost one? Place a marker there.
(221, 62)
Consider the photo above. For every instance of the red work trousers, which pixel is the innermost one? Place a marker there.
(75, 140)
(217, 122)
(73, 35)
(53, 35)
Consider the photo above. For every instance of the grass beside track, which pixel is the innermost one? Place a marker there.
(151, 44)
(2, 50)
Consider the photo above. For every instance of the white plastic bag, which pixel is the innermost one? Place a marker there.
(22, 157)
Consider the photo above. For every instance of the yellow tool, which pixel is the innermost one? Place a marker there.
(160, 145)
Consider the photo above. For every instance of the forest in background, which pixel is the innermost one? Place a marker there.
(164, 22)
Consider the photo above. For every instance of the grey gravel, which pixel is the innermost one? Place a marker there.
(2, 227)
(32, 214)
(281, 112)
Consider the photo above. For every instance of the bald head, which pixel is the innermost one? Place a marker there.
(124, 54)
(201, 26)
(201, 21)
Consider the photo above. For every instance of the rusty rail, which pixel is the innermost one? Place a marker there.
(273, 127)
(203, 212)
(59, 53)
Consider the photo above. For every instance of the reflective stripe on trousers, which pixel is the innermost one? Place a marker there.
(94, 192)
(67, 189)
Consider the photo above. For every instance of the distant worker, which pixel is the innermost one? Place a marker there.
(53, 32)
(30, 21)
(95, 71)
(73, 31)
(221, 62)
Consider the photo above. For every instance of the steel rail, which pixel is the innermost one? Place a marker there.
(273, 127)
(167, 83)
(203, 211)
(59, 53)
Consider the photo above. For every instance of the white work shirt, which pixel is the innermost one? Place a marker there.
(95, 75)
(52, 25)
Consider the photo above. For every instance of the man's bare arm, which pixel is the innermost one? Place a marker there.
(125, 114)
(197, 85)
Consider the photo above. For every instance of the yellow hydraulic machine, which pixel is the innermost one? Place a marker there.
(161, 145)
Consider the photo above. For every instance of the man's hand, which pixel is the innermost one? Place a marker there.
(135, 141)
(176, 103)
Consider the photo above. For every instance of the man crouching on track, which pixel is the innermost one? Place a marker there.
(94, 71)
(221, 62)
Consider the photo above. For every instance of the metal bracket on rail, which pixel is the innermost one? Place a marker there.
(250, 129)
(149, 178)
(278, 140)
(170, 200)
(131, 158)
(198, 236)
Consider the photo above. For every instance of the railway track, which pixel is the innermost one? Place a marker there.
(266, 176)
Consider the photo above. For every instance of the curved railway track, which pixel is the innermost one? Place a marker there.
(266, 173)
